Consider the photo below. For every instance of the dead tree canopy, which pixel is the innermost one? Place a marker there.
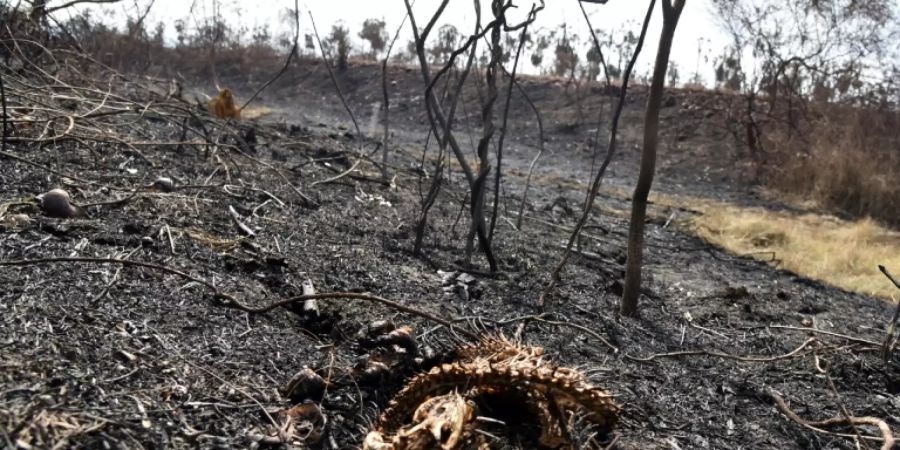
(442, 122)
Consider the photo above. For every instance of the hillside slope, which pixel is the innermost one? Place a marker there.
(153, 352)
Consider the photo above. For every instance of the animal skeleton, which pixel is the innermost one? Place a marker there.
(437, 409)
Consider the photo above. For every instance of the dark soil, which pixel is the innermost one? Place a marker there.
(110, 356)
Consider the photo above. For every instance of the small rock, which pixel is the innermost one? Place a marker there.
(305, 385)
(370, 371)
(306, 422)
(17, 221)
(163, 184)
(403, 337)
(460, 286)
(378, 328)
(58, 203)
(736, 292)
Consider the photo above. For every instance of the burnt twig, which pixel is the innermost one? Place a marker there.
(889, 276)
(818, 425)
(596, 41)
(385, 142)
(5, 115)
(500, 140)
(311, 306)
(236, 218)
(537, 156)
(441, 123)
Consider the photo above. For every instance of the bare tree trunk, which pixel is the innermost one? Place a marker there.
(213, 73)
(632, 289)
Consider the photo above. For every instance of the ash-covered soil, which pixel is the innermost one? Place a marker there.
(97, 354)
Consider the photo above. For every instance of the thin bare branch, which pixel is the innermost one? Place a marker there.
(327, 61)
(5, 115)
(287, 62)
(385, 142)
(512, 82)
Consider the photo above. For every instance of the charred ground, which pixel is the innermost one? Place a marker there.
(96, 355)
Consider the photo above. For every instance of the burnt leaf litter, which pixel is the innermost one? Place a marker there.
(95, 353)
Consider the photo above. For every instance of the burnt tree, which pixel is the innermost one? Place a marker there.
(671, 14)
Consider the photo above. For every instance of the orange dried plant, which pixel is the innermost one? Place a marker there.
(223, 107)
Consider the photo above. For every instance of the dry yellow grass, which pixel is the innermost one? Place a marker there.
(255, 112)
(837, 252)
(840, 253)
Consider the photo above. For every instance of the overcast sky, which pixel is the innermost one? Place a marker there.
(697, 22)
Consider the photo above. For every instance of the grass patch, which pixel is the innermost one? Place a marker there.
(837, 252)
(255, 112)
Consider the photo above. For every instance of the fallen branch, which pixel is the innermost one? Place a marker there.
(723, 355)
(338, 176)
(643, 359)
(238, 222)
(232, 301)
(887, 435)
(846, 414)
(306, 199)
(344, 295)
(829, 333)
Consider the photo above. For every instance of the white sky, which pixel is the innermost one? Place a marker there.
(697, 21)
